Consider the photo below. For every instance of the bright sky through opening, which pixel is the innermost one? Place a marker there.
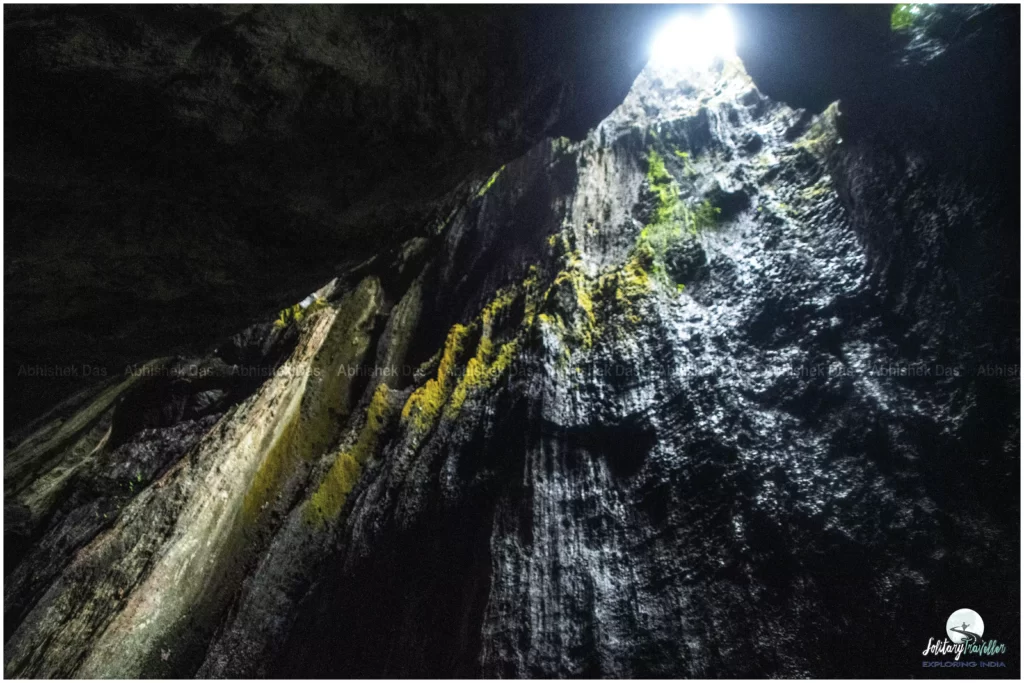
(693, 41)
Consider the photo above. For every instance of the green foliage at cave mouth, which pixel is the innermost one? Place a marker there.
(904, 15)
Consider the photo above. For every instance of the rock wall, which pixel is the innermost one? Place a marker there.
(174, 173)
(703, 394)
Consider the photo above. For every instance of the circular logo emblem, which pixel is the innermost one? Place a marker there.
(965, 625)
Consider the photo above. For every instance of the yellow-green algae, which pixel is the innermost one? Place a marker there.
(490, 182)
(598, 300)
(485, 366)
(424, 405)
(810, 194)
(601, 303)
(625, 285)
(312, 419)
(904, 15)
(582, 324)
(594, 299)
(663, 186)
(327, 501)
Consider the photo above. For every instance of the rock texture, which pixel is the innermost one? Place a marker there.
(174, 172)
(723, 389)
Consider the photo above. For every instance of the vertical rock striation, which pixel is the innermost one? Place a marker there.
(689, 397)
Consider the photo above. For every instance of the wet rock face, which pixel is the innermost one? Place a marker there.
(731, 481)
(703, 394)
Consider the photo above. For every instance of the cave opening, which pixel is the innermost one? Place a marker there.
(693, 40)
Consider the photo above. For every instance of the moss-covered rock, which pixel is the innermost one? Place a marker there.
(329, 497)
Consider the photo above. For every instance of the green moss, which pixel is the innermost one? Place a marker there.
(663, 186)
(568, 303)
(530, 286)
(689, 170)
(822, 135)
(289, 445)
(617, 292)
(560, 146)
(549, 319)
(482, 371)
(498, 305)
(327, 501)
(671, 220)
(445, 393)
(814, 192)
(574, 279)
(704, 216)
(490, 358)
(600, 303)
(490, 182)
(625, 286)
(424, 405)
(486, 366)
(287, 316)
(562, 245)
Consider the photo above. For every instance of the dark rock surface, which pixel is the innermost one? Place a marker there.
(818, 54)
(174, 172)
(586, 425)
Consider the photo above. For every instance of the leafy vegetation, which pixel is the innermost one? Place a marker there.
(924, 16)
(287, 316)
(671, 215)
(664, 187)
(295, 313)
(688, 168)
(903, 16)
